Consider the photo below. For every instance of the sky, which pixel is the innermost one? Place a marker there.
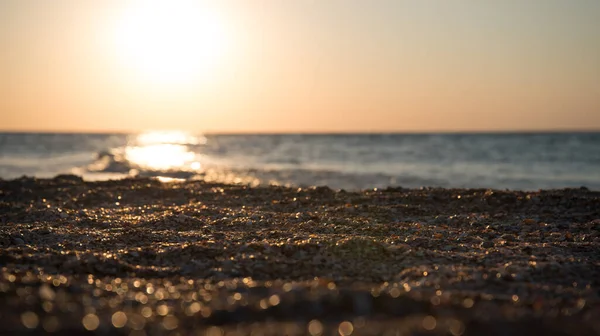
(299, 66)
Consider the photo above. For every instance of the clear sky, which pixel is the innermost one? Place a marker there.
(299, 66)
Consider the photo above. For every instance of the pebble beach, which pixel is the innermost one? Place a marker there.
(142, 257)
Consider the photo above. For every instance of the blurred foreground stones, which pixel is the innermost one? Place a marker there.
(140, 257)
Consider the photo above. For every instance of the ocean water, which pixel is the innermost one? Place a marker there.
(340, 161)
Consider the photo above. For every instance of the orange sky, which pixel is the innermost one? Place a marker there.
(299, 66)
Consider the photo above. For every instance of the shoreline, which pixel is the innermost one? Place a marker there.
(137, 255)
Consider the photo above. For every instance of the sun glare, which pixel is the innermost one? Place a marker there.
(170, 41)
(164, 151)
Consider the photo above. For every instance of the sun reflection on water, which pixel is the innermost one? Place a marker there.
(160, 157)
(165, 151)
(169, 137)
(169, 156)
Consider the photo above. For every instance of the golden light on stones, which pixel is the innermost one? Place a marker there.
(90, 322)
(51, 324)
(162, 310)
(46, 293)
(429, 323)
(193, 308)
(141, 297)
(146, 312)
(119, 319)
(136, 322)
(274, 300)
(456, 327)
(213, 331)
(315, 328)
(206, 312)
(170, 322)
(165, 303)
(345, 328)
(30, 320)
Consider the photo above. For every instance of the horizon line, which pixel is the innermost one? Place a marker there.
(350, 132)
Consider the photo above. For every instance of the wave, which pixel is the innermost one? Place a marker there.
(349, 162)
(116, 163)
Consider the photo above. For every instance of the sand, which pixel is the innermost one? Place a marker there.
(137, 257)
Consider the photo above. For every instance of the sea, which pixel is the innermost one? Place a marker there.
(515, 161)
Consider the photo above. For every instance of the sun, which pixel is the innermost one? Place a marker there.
(170, 41)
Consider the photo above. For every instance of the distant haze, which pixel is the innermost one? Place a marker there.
(300, 66)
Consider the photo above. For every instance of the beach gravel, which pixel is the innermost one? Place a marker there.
(141, 257)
